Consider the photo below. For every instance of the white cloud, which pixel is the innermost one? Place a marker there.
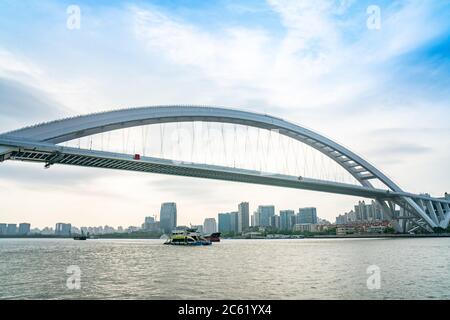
(13, 65)
(312, 65)
(237, 55)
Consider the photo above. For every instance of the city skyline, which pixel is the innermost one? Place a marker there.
(362, 218)
(156, 216)
(336, 78)
(169, 209)
(286, 218)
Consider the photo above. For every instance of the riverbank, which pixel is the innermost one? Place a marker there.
(143, 236)
(383, 235)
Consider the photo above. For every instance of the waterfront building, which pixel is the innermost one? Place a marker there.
(150, 224)
(63, 229)
(24, 228)
(322, 221)
(131, 229)
(286, 218)
(263, 215)
(368, 212)
(168, 216)
(35, 231)
(149, 220)
(234, 221)
(254, 219)
(108, 230)
(343, 230)
(324, 227)
(275, 222)
(74, 230)
(243, 216)
(47, 231)
(224, 222)
(3, 228)
(362, 213)
(229, 221)
(11, 229)
(209, 225)
(96, 230)
(307, 215)
(305, 227)
(376, 229)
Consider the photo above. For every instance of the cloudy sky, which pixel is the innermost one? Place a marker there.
(382, 92)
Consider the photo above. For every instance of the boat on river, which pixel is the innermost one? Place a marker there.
(213, 237)
(188, 237)
(81, 236)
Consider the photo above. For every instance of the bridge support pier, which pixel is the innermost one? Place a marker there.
(421, 213)
(388, 209)
(416, 214)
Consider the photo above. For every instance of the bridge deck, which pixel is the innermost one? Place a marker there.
(54, 154)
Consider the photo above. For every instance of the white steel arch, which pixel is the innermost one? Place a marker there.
(422, 214)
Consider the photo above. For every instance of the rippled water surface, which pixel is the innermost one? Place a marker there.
(232, 269)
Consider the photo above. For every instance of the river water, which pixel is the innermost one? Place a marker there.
(231, 269)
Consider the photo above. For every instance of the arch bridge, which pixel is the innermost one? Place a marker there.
(40, 143)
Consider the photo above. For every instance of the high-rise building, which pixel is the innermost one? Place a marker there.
(362, 213)
(286, 217)
(74, 230)
(11, 229)
(131, 229)
(150, 224)
(293, 221)
(376, 213)
(47, 231)
(209, 225)
(275, 222)
(3, 228)
(224, 222)
(342, 219)
(24, 228)
(168, 216)
(307, 215)
(149, 220)
(263, 216)
(255, 219)
(234, 221)
(243, 216)
(368, 212)
(63, 229)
